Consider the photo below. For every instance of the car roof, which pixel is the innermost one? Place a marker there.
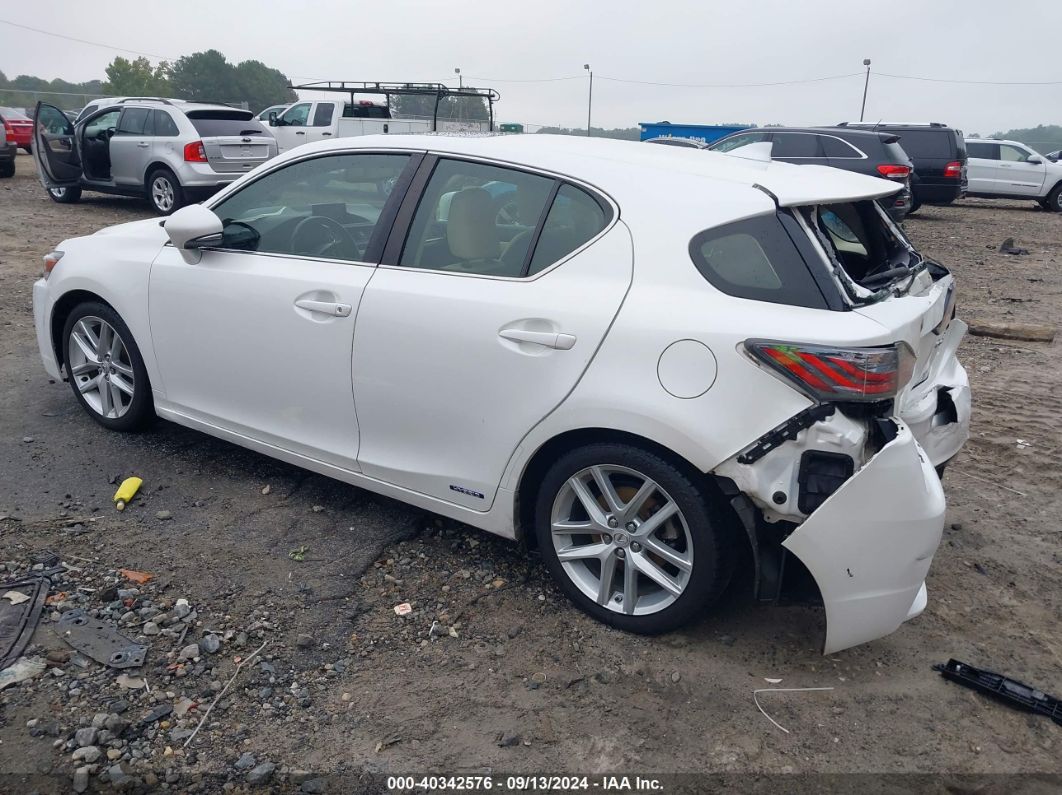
(608, 164)
(921, 125)
(840, 132)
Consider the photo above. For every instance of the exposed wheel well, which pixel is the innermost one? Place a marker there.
(63, 307)
(156, 166)
(544, 457)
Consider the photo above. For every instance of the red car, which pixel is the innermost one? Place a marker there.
(19, 127)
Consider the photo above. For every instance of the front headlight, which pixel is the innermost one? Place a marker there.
(51, 259)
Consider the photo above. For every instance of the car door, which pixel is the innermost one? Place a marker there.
(982, 163)
(55, 149)
(470, 334)
(1022, 171)
(321, 126)
(290, 129)
(256, 337)
(131, 146)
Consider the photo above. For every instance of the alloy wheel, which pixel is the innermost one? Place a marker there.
(622, 539)
(162, 193)
(58, 193)
(101, 367)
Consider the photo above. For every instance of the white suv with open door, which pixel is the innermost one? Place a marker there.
(999, 169)
(169, 151)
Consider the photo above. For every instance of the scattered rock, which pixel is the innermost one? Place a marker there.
(304, 641)
(89, 754)
(85, 736)
(163, 515)
(150, 628)
(210, 644)
(313, 786)
(245, 762)
(261, 774)
(81, 779)
(189, 652)
(506, 740)
(27, 439)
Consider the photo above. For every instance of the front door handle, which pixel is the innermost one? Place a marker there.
(300, 132)
(326, 133)
(548, 339)
(143, 144)
(324, 307)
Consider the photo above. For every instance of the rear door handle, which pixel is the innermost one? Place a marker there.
(548, 339)
(324, 307)
(326, 133)
(143, 144)
(300, 132)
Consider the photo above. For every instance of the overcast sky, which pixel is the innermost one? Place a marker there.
(678, 41)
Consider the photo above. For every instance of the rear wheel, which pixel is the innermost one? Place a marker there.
(105, 369)
(7, 170)
(164, 191)
(1054, 199)
(630, 538)
(914, 207)
(65, 195)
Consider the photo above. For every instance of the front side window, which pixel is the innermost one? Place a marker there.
(757, 259)
(326, 207)
(1013, 154)
(133, 120)
(101, 124)
(296, 115)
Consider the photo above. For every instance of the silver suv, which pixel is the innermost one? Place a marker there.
(171, 151)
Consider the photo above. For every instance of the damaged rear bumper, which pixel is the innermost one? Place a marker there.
(870, 544)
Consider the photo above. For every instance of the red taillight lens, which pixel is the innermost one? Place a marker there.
(832, 374)
(953, 170)
(194, 152)
(894, 172)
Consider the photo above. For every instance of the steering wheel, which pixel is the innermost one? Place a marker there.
(319, 236)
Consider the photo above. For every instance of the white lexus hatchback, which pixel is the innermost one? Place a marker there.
(649, 361)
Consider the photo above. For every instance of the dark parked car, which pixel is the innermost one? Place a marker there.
(668, 140)
(8, 150)
(865, 152)
(939, 155)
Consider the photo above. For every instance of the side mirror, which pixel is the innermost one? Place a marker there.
(1035, 161)
(273, 119)
(192, 228)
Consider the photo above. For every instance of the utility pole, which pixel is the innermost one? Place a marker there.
(460, 80)
(866, 85)
(589, 97)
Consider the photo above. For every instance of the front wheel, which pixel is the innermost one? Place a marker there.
(65, 195)
(631, 539)
(164, 191)
(105, 369)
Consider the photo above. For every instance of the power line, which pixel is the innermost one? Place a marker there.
(972, 82)
(539, 80)
(86, 41)
(731, 85)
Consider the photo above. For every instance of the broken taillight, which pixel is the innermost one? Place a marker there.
(892, 171)
(832, 374)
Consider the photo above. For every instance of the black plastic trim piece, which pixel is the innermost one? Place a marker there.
(1015, 693)
(786, 432)
(396, 237)
(374, 250)
(820, 474)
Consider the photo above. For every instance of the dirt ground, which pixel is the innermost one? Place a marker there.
(344, 687)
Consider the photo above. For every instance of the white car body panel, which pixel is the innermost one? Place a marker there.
(291, 136)
(1005, 178)
(871, 580)
(413, 391)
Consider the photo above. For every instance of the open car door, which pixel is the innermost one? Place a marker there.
(55, 148)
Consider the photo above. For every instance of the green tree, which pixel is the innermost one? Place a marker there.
(262, 86)
(138, 78)
(205, 76)
(1043, 137)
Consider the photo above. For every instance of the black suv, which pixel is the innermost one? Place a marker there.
(939, 155)
(865, 152)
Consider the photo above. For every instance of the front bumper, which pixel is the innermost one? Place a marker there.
(42, 312)
(870, 545)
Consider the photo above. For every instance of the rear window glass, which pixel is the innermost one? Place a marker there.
(208, 127)
(861, 241)
(928, 143)
(756, 259)
(365, 112)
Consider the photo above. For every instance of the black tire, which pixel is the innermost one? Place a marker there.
(914, 207)
(712, 539)
(158, 202)
(7, 170)
(1053, 202)
(65, 195)
(28, 149)
(141, 409)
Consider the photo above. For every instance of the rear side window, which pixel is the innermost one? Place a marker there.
(756, 259)
(322, 114)
(984, 151)
(209, 127)
(133, 120)
(165, 126)
(833, 146)
(795, 145)
(574, 218)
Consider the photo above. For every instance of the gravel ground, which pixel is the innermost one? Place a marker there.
(492, 669)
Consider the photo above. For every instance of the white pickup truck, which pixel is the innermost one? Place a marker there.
(324, 119)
